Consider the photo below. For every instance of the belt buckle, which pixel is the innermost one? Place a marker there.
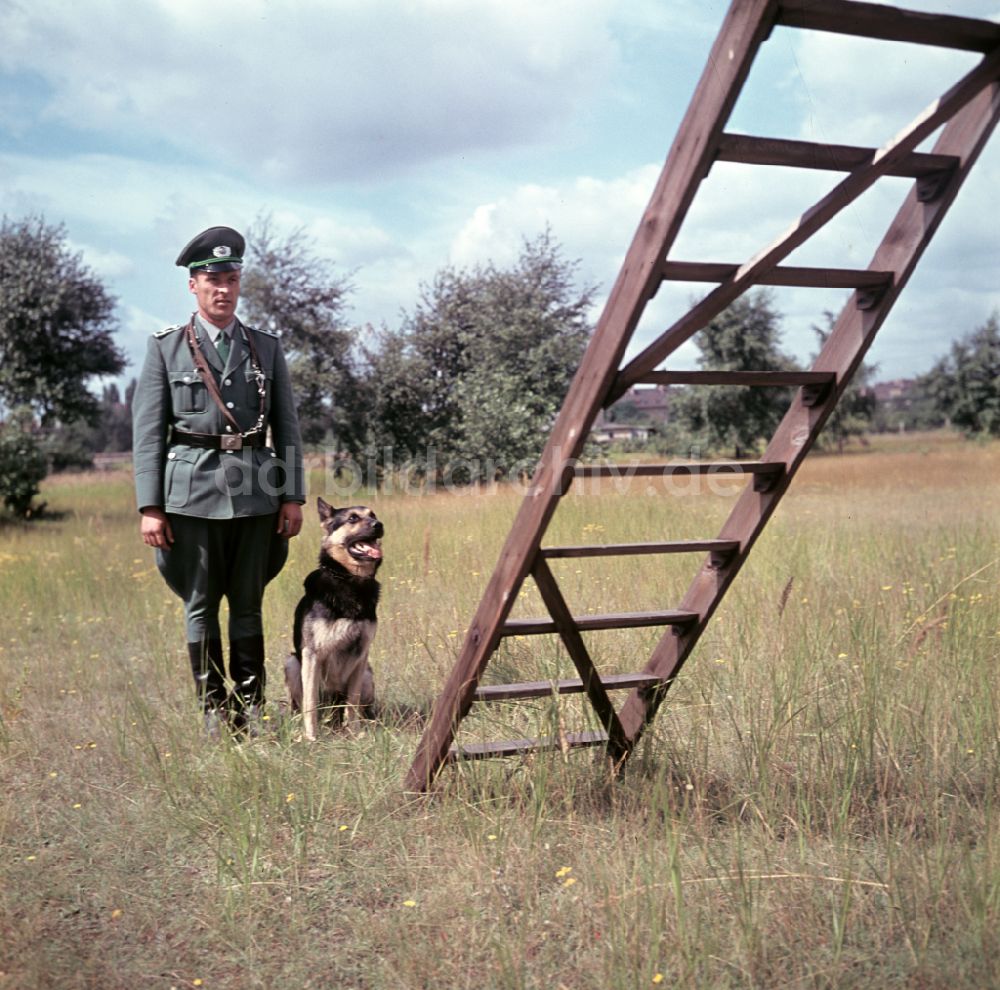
(231, 442)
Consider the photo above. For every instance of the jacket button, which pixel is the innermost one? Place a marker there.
(228, 381)
(187, 379)
(171, 456)
(229, 405)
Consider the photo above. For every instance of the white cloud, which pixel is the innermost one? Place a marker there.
(738, 211)
(328, 90)
(135, 326)
(677, 18)
(592, 218)
(863, 91)
(314, 90)
(102, 262)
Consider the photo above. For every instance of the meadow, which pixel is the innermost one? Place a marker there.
(815, 806)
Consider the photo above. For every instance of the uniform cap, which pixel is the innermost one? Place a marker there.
(218, 249)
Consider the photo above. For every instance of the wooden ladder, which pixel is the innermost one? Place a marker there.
(968, 112)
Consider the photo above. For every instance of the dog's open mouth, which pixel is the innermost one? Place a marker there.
(366, 550)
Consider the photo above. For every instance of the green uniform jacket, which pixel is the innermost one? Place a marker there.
(214, 484)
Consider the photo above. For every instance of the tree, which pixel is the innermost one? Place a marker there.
(478, 371)
(743, 337)
(290, 290)
(965, 385)
(624, 411)
(399, 414)
(56, 324)
(72, 445)
(855, 411)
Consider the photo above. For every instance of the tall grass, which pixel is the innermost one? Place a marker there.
(815, 806)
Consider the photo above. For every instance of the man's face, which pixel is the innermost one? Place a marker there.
(217, 293)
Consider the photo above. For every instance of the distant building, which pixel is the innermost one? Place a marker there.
(899, 391)
(638, 405)
(901, 404)
(650, 403)
(619, 433)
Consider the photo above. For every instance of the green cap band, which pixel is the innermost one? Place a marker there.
(216, 261)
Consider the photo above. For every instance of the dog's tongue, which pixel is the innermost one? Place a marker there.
(370, 550)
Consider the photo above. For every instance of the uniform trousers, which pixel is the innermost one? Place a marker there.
(212, 559)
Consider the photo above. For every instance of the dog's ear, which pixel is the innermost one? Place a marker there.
(325, 509)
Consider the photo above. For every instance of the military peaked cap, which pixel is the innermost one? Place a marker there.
(218, 249)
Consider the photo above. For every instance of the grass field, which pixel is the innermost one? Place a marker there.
(816, 806)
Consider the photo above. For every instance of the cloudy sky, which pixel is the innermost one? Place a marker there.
(406, 135)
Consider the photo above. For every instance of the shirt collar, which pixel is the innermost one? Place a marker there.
(212, 330)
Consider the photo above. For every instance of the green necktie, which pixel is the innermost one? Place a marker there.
(222, 346)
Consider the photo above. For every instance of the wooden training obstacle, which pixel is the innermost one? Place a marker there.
(966, 115)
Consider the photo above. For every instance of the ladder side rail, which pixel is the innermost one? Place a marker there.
(842, 195)
(746, 26)
(901, 248)
(593, 686)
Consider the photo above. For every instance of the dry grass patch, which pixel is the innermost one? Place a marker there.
(815, 807)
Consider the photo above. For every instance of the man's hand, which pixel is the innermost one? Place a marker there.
(155, 528)
(289, 519)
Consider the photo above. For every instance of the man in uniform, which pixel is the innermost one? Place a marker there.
(218, 503)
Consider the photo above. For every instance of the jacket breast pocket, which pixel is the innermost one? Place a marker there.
(188, 392)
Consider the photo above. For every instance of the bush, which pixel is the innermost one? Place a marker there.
(22, 468)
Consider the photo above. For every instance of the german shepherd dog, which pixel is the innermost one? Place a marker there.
(335, 621)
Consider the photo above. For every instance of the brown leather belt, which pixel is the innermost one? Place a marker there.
(217, 441)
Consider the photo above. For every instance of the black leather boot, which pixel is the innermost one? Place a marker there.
(246, 667)
(207, 666)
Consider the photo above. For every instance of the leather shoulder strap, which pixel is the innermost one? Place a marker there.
(206, 374)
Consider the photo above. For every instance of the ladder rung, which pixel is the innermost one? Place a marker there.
(751, 149)
(786, 378)
(682, 468)
(628, 549)
(589, 623)
(544, 689)
(889, 23)
(814, 278)
(514, 747)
